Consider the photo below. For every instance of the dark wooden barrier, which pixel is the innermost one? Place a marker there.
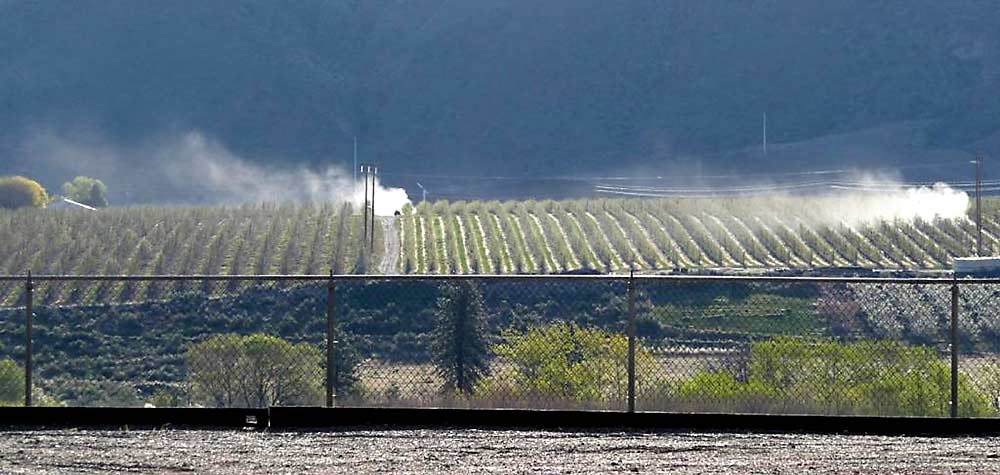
(132, 417)
(319, 418)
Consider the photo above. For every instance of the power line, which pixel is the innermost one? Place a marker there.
(641, 191)
(592, 178)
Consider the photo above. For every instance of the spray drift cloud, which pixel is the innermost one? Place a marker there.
(853, 201)
(892, 202)
(194, 169)
(197, 160)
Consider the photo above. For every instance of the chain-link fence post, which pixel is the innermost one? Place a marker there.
(631, 340)
(29, 290)
(331, 372)
(954, 349)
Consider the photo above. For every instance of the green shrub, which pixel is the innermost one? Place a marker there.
(11, 383)
(563, 364)
(166, 398)
(21, 192)
(255, 371)
(86, 190)
(91, 391)
(866, 377)
(12, 387)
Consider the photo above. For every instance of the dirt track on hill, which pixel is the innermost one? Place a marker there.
(472, 452)
(390, 260)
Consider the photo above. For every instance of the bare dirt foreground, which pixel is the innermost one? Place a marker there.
(471, 452)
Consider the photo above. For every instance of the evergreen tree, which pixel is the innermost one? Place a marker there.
(346, 360)
(459, 341)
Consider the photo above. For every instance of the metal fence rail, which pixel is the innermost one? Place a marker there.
(915, 347)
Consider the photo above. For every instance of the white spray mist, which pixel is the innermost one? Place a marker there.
(193, 168)
(868, 199)
(196, 160)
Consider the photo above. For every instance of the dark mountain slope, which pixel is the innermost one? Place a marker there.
(511, 86)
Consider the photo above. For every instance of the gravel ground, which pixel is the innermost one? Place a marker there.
(472, 452)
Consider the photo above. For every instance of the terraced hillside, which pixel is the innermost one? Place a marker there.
(479, 237)
(251, 239)
(652, 234)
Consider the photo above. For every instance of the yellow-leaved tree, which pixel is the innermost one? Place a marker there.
(21, 192)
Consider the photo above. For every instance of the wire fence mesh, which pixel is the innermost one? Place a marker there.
(12, 343)
(814, 346)
(796, 347)
(979, 339)
(175, 342)
(483, 343)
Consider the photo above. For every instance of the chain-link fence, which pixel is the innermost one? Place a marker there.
(12, 343)
(651, 343)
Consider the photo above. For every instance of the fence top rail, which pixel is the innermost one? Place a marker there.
(495, 277)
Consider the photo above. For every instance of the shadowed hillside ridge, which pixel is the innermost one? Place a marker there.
(562, 87)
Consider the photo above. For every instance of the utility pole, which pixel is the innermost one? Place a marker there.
(765, 134)
(423, 192)
(374, 174)
(364, 211)
(368, 213)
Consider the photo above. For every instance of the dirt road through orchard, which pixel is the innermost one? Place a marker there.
(474, 452)
(390, 260)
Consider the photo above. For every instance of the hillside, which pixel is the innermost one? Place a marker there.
(262, 239)
(473, 87)
(606, 235)
(125, 354)
(613, 235)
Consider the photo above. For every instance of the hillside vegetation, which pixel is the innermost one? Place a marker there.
(606, 235)
(616, 234)
(102, 353)
(252, 239)
(124, 342)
